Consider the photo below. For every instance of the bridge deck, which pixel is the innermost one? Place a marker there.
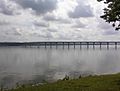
(58, 43)
(63, 44)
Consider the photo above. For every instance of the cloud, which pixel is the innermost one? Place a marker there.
(107, 28)
(40, 24)
(110, 32)
(52, 30)
(12, 32)
(50, 17)
(39, 6)
(46, 36)
(8, 8)
(81, 10)
(36, 20)
(78, 24)
(104, 25)
(53, 18)
(4, 23)
(5, 8)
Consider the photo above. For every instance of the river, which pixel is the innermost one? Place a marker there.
(35, 65)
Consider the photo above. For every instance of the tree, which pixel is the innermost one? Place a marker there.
(112, 12)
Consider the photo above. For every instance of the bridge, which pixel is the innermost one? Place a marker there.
(51, 44)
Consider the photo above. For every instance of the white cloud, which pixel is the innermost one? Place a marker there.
(54, 20)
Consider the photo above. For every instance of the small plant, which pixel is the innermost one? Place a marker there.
(90, 76)
(1, 88)
(44, 81)
(66, 78)
(17, 85)
(23, 86)
(118, 82)
(80, 76)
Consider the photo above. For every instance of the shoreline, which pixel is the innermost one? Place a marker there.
(109, 82)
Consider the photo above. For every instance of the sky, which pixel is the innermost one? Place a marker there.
(54, 20)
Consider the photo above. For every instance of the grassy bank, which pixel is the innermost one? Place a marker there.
(91, 83)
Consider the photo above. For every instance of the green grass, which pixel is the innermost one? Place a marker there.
(91, 83)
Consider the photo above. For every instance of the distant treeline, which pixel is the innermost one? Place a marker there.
(19, 43)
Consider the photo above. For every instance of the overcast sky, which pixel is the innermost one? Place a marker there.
(39, 20)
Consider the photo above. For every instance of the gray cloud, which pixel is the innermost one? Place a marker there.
(8, 33)
(47, 35)
(81, 10)
(79, 25)
(5, 8)
(104, 25)
(39, 6)
(108, 29)
(63, 37)
(65, 21)
(41, 24)
(13, 32)
(52, 18)
(3, 22)
(52, 30)
(8, 7)
(110, 32)
(51, 25)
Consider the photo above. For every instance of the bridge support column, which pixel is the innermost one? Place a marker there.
(50, 45)
(63, 45)
(38, 46)
(115, 45)
(68, 45)
(45, 45)
(100, 45)
(93, 45)
(56, 45)
(107, 45)
(74, 44)
(87, 45)
(80, 45)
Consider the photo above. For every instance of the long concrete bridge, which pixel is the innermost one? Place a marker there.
(51, 44)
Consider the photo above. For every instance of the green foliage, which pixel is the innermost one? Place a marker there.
(112, 12)
(90, 83)
(66, 78)
(1, 88)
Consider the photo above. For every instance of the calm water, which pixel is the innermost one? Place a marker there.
(35, 65)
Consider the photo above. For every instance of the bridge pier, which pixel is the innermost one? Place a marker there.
(56, 45)
(93, 45)
(45, 45)
(100, 45)
(115, 45)
(50, 45)
(74, 44)
(107, 45)
(63, 45)
(68, 46)
(80, 45)
(87, 45)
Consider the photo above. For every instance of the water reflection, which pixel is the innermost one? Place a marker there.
(35, 65)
